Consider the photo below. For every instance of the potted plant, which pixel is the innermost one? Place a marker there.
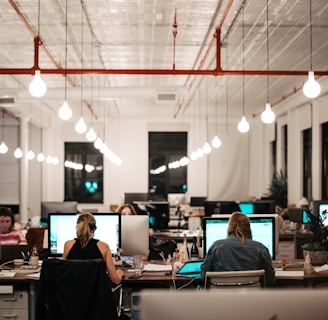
(317, 248)
(278, 189)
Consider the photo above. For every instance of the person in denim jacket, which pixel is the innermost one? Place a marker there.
(239, 251)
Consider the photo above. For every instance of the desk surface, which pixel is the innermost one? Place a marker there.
(292, 265)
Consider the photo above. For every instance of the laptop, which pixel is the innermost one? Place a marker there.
(11, 252)
(191, 268)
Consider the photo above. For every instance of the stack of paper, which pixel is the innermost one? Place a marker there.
(283, 274)
(7, 274)
(323, 268)
(157, 268)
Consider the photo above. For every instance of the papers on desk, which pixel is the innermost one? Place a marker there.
(157, 268)
(287, 274)
(7, 274)
(33, 276)
(323, 268)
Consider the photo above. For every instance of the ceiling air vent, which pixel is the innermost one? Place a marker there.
(166, 97)
(7, 101)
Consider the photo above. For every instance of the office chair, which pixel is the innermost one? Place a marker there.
(75, 290)
(250, 279)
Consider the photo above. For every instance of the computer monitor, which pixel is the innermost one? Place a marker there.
(300, 215)
(130, 197)
(323, 212)
(175, 199)
(197, 201)
(157, 212)
(220, 207)
(265, 206)
(62, 227)
(135, 235)
(264, 229)
(232, 304)
(13, 207)
(57, 207)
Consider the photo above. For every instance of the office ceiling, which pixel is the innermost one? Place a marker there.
(138, 67)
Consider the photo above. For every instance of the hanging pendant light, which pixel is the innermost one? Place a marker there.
(216, 142)
(18, 153)
(30, 155)
(38, 87)
(3, 146)
(65, 112)
(311, 87)
(243, 125)
(80, 126)
(40, 157)
(268, 116)
(91, 135)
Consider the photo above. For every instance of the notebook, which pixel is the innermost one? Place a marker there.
(191, 269)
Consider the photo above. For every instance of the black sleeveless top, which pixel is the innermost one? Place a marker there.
(91, 251)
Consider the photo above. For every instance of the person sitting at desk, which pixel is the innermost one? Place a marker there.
(239, 251)
(127, 209)
(85, 247)
(8, 234)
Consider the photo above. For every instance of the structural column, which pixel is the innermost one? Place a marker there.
(23, 203)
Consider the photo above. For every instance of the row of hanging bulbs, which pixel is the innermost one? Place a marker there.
(311, 89)
(18, 153)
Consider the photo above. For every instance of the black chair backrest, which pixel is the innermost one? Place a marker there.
(75, 289)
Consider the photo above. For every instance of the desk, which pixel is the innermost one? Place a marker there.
(157, 281)
(20, 308)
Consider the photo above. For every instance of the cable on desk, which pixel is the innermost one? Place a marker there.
(4, 267)
(183, 286)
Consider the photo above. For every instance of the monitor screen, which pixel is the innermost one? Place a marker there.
(57, 207)
(135, 235)
(158, 213)
(220, 207)
(134, 196)
(197, 201)
(62, 227)
(323, 213)
(246, 207)
(306, 216)
(264, 229)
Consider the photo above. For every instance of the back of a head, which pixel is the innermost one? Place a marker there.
(86, 225)
(240, 226)
(127, 209)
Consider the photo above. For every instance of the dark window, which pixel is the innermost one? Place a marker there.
(307, 163)
(285, 133)
(84, 182)
(324, 182)
(164, 148)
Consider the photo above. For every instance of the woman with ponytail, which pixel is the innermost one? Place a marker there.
(85, 247)
(239, 252)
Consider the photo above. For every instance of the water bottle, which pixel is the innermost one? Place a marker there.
(194, 250)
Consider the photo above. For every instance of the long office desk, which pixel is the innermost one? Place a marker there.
(149, 280)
